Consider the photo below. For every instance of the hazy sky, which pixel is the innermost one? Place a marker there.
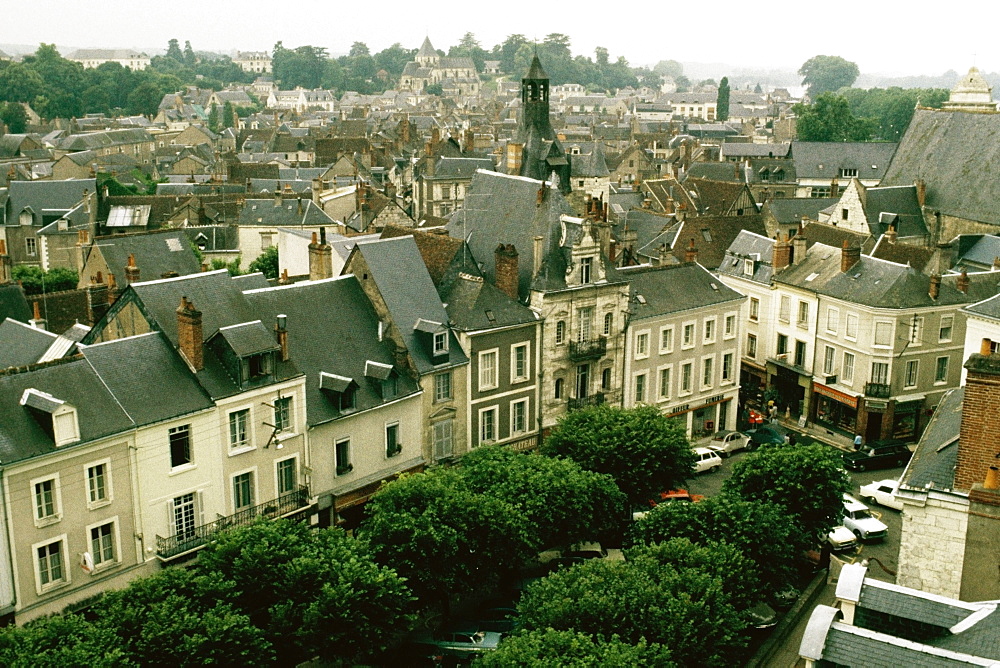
(881, 37)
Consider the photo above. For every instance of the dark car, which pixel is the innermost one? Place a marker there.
(878, 455)
(765, 434)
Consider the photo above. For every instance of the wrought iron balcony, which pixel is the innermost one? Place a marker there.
(588, 349)
(583, 402)
(168, 548)
(878, 390)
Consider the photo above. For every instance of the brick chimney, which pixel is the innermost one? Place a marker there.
(281, 332)
(691, 253)
(470, 141)
(505, 258)
(277, 195)
(935, 286)
(5, 263)
(37, 321)
(962, 283)
(189, 334)
(921, 186)
(834, 187)
(131, 271)
(113, 290)
(320, 257)
(978, 448)
(97, 298)
(515, 156)
(849, 256)
(283, 279)
(782, 256)
(890, 235)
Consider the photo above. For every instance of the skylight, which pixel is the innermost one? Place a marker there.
(811, 276)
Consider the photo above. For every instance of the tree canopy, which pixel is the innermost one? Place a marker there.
(573, 649)
(829, 118)
(824, 74)
(890, 109)
(644, 452)
(722, 101)
(806, 481)
(266, 263)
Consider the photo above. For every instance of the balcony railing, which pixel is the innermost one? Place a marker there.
(588, 349)
(167, 548)
(583, 402)
(877, 390)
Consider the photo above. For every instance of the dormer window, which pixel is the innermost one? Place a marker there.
(586, 269)
(343, 390)
(435, 337)
(55, 415)
(256, 366)
(253, 348)
(440, 343)
(384, 376)
(748, 267)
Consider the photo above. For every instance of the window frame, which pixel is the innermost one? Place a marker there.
(392, 427)
(284, 415)
(852, 319)
(950, 319)
(847, 368)
(249, 475)
(233, 419)
(879, 372)
(686, 385)
(664, 373)
(642, 344)
(709, 330)
(516, 377)
(832, 319)
(911, 374)
(666, 337)
(522, 405)
(829, 360)
(687, 335)
(728, 368)
(189, 456)
(941, 374)
(280, 474)
(560, 333)
(489, 376)
(802, 317)
(65, 576)
(785, 309)
(888, 326)
(586, 270)
(754, 315)
(342, 465)
(707, 372)
(639, 387)
(729, 326)
(108, 496)
(494, 421)
(112, 524)
(440, 343)
(55, 493)
(442, 387)
(751, 345)
(438, 438)
(609, 323)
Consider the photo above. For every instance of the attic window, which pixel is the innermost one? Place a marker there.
(706, 234)
(811, 277)
(748, 267)
(174, 245)
(441, 343)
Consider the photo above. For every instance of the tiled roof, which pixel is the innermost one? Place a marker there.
(825, 160)
(674, 288)
(933, 462)
(155, 253)
(21, 344)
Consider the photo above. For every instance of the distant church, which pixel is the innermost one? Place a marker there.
(535, 151)
(456, 76)
(971, 93)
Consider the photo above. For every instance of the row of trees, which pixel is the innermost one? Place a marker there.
(853, 114)
(281, 589)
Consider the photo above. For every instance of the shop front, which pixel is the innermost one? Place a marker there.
(834, 409)
(906, 424)
(703, 419)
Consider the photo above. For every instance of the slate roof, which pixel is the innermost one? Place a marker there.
(126, 367)
(713, 235)
(45, 196)
(749, 150)
(156, 253)
(831, 235)
(853, 646)
(647, 225)
(825, 160)
(104, 139)
(716, 197)
(918, 257)
(73, 381)
(955, 153)
(268, 213)
(21, 344)
(749, 246)
(501, 208)
(674, 288)
(459, 168)
(409, 294)
(211, 238)
(717, 171)
(900, 602)
(440, 252)
(474, 304)
(894, 204)
(934, 459)
(989, 308)
(983, 252)
(791, 210)
(13, 304)
(248, 338)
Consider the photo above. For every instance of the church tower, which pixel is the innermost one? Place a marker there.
(971, 93)
(536, 151)
(427, 56)
(535, 102)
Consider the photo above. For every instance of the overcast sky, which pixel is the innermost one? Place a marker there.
(889, 37)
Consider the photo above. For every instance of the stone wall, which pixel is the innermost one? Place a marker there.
(932, 546)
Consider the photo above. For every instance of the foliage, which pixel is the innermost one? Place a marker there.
(669, 68)
(312, 591)
(572, 649)
(180, 618)
(643, 451)
(13, 115)
(469, 47)
(233, 266)
(763, 532)
(562, 503)
(434, 89)
(59, 641)
(562, 67)
(892, 108)
(442, 536)
(722, 101)
(825, 74)
(266, 263)
(684, 609)
(807, 482)
(829, 118)
(35, 281)
(394, 59)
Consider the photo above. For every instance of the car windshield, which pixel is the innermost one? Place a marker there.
(861, 514)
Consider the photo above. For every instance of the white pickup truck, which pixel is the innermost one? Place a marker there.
(882, 492)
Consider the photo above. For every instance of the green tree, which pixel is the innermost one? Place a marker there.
(829, 118)
(58, 641)
(669, 68)
(178, 617)
(214, 123)
(892, 108)
(506, 51)
(562, 503)
(394, 59)
(443, 537)
(643, 451)
(685, 609)
(314, 592)
(572, 649)
(825, 74)
(266, 263)
(174, 51)
(233, 265)
(722, 101)
(189, 58)
(763, 532)
(807, 482)
(19, 83)
(229, 118)
(14, 117)
(359, 49)
(35, 281)
(434, 89)
(145, 99)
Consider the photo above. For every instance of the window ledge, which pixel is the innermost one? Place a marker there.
(48, 521)
(240, 450)
(183, 468)
(94, 505)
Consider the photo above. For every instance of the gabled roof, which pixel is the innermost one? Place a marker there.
(791, 210)
(674, 288)
(248, 338)
(896, 205)
(289, 212)
(473, 304)
(21, 344)
(749, 246)
(825, 160)
(712, 235)
(459, 168)
(155, 253)
(440, 252)
(409, 295)
(40, 196)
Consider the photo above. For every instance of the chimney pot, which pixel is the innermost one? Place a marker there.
(506, 266)
(985, 348)
(849, 256)
(963, 282)
(691, 253)
(935, 286)
(782, 254)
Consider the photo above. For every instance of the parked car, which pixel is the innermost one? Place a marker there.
(764, 435)
(841, 539)
(859, 519)
(727, 442)
(681, 495)
(878, 455)
(461, 641)
(882, 492)
(706, 460)
(499, 617)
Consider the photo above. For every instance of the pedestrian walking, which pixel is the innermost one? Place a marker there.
(857, 442)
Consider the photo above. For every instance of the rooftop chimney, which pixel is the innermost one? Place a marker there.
(37, 321)
(799, 243)
(5, 263)
(282, 333)
(97, 299)
(963, 282)
(277, 195)
(131, 271)
(782, 256)
(890, 234)
(538, 249)
(505, 258)
(515, 155)
(320, 257)
(189, 334)
(921, 191)
(977, 446)
(935, 286)
(283, 279)
(113, 290)
(834, 187)
(691, 253)
(849, 256)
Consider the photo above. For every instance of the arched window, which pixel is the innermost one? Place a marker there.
(609, 321)
(560, 332)
(559, 388)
